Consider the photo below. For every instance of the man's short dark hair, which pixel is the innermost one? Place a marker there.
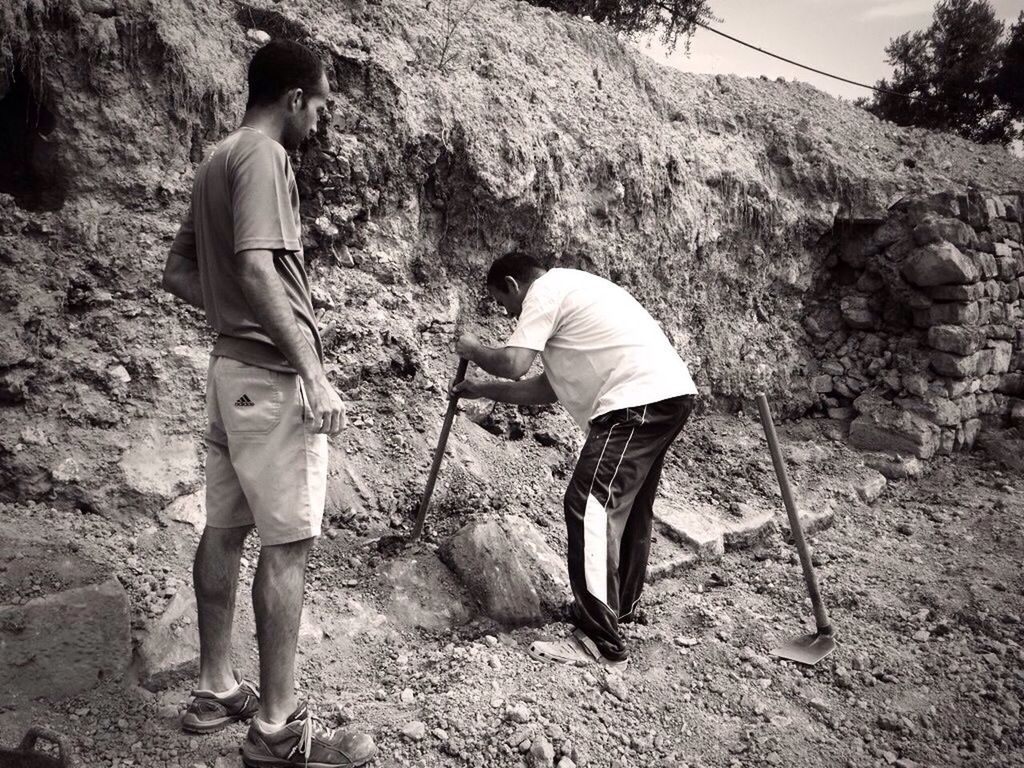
(278, 67)
(518, 265)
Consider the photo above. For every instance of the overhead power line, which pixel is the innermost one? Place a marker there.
(821, 71)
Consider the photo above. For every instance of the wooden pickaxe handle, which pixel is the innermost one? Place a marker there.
(442, 441)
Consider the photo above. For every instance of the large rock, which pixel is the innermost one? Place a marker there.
(1002, 353)
(951, 230)
(939, 264)
(936, 408)
(169, 649)
(896, 432)
(857, 312)
(955, 339)
(1011, 384)
(969, 292)
(896, 469)
(161, 466)
(189, 509)
(424, 594)
(509, 568)
(956, 366)
(64, 643)
(948, 313)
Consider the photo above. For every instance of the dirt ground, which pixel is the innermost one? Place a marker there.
(924, 586)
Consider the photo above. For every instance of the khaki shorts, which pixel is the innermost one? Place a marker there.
(265, 464)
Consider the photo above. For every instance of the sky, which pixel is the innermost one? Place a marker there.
(844, 37)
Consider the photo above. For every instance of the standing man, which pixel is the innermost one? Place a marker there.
(609, 363)
(238, 255)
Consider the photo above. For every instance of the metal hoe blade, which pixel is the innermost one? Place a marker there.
(806, 649)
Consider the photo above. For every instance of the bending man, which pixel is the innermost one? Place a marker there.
(609, 363)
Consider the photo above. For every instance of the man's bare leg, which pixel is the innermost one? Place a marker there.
(215, 576)
(277, 593)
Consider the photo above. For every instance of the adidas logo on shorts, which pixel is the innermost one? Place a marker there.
(243, 402)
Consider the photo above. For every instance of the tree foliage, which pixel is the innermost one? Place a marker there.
(672, 18)
(962, 74)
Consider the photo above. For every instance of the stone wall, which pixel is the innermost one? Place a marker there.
(920, 325)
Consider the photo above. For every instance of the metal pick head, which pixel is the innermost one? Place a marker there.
(806, 649)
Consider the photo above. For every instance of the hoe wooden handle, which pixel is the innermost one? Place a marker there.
(820, 616)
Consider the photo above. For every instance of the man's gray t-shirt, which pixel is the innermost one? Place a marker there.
(244, 197)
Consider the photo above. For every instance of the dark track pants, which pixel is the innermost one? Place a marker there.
(609, 510)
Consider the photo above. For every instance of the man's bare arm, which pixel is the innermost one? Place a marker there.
(257, 276)
(181, 279)
(507, 362)
(533, 391)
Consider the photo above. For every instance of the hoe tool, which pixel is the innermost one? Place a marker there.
(442, 441)
(812, 648)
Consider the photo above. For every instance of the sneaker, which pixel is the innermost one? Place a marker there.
(301, 742)
(208, 712)
(576, 650)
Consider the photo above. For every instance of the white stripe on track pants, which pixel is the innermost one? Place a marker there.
(609, 509)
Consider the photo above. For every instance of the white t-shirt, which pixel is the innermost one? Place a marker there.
(602, 351)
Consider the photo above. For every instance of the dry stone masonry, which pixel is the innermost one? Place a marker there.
(920, 337)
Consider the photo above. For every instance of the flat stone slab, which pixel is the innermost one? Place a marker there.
(670, 567)
(64, 643)
(688, 525)
(707, 533)
(812, 520)
(747, 526)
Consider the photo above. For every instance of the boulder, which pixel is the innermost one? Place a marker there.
(64, 643)
(869, 402)
(822, 384)
(895, 431)
(956, 366)
(857, 312)
(871, 487)
(945, 229)
(967, 435)
(987, 265)
(968, 407)
(510, 570)
(956, 339)
(161, 466)
(1002, 353)
(936, 408)
(425, 594)
(951, 313)
(169, 648)
(939, 264)
(915, 383)
(189, 509)
(970, 292)
(896, 468)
